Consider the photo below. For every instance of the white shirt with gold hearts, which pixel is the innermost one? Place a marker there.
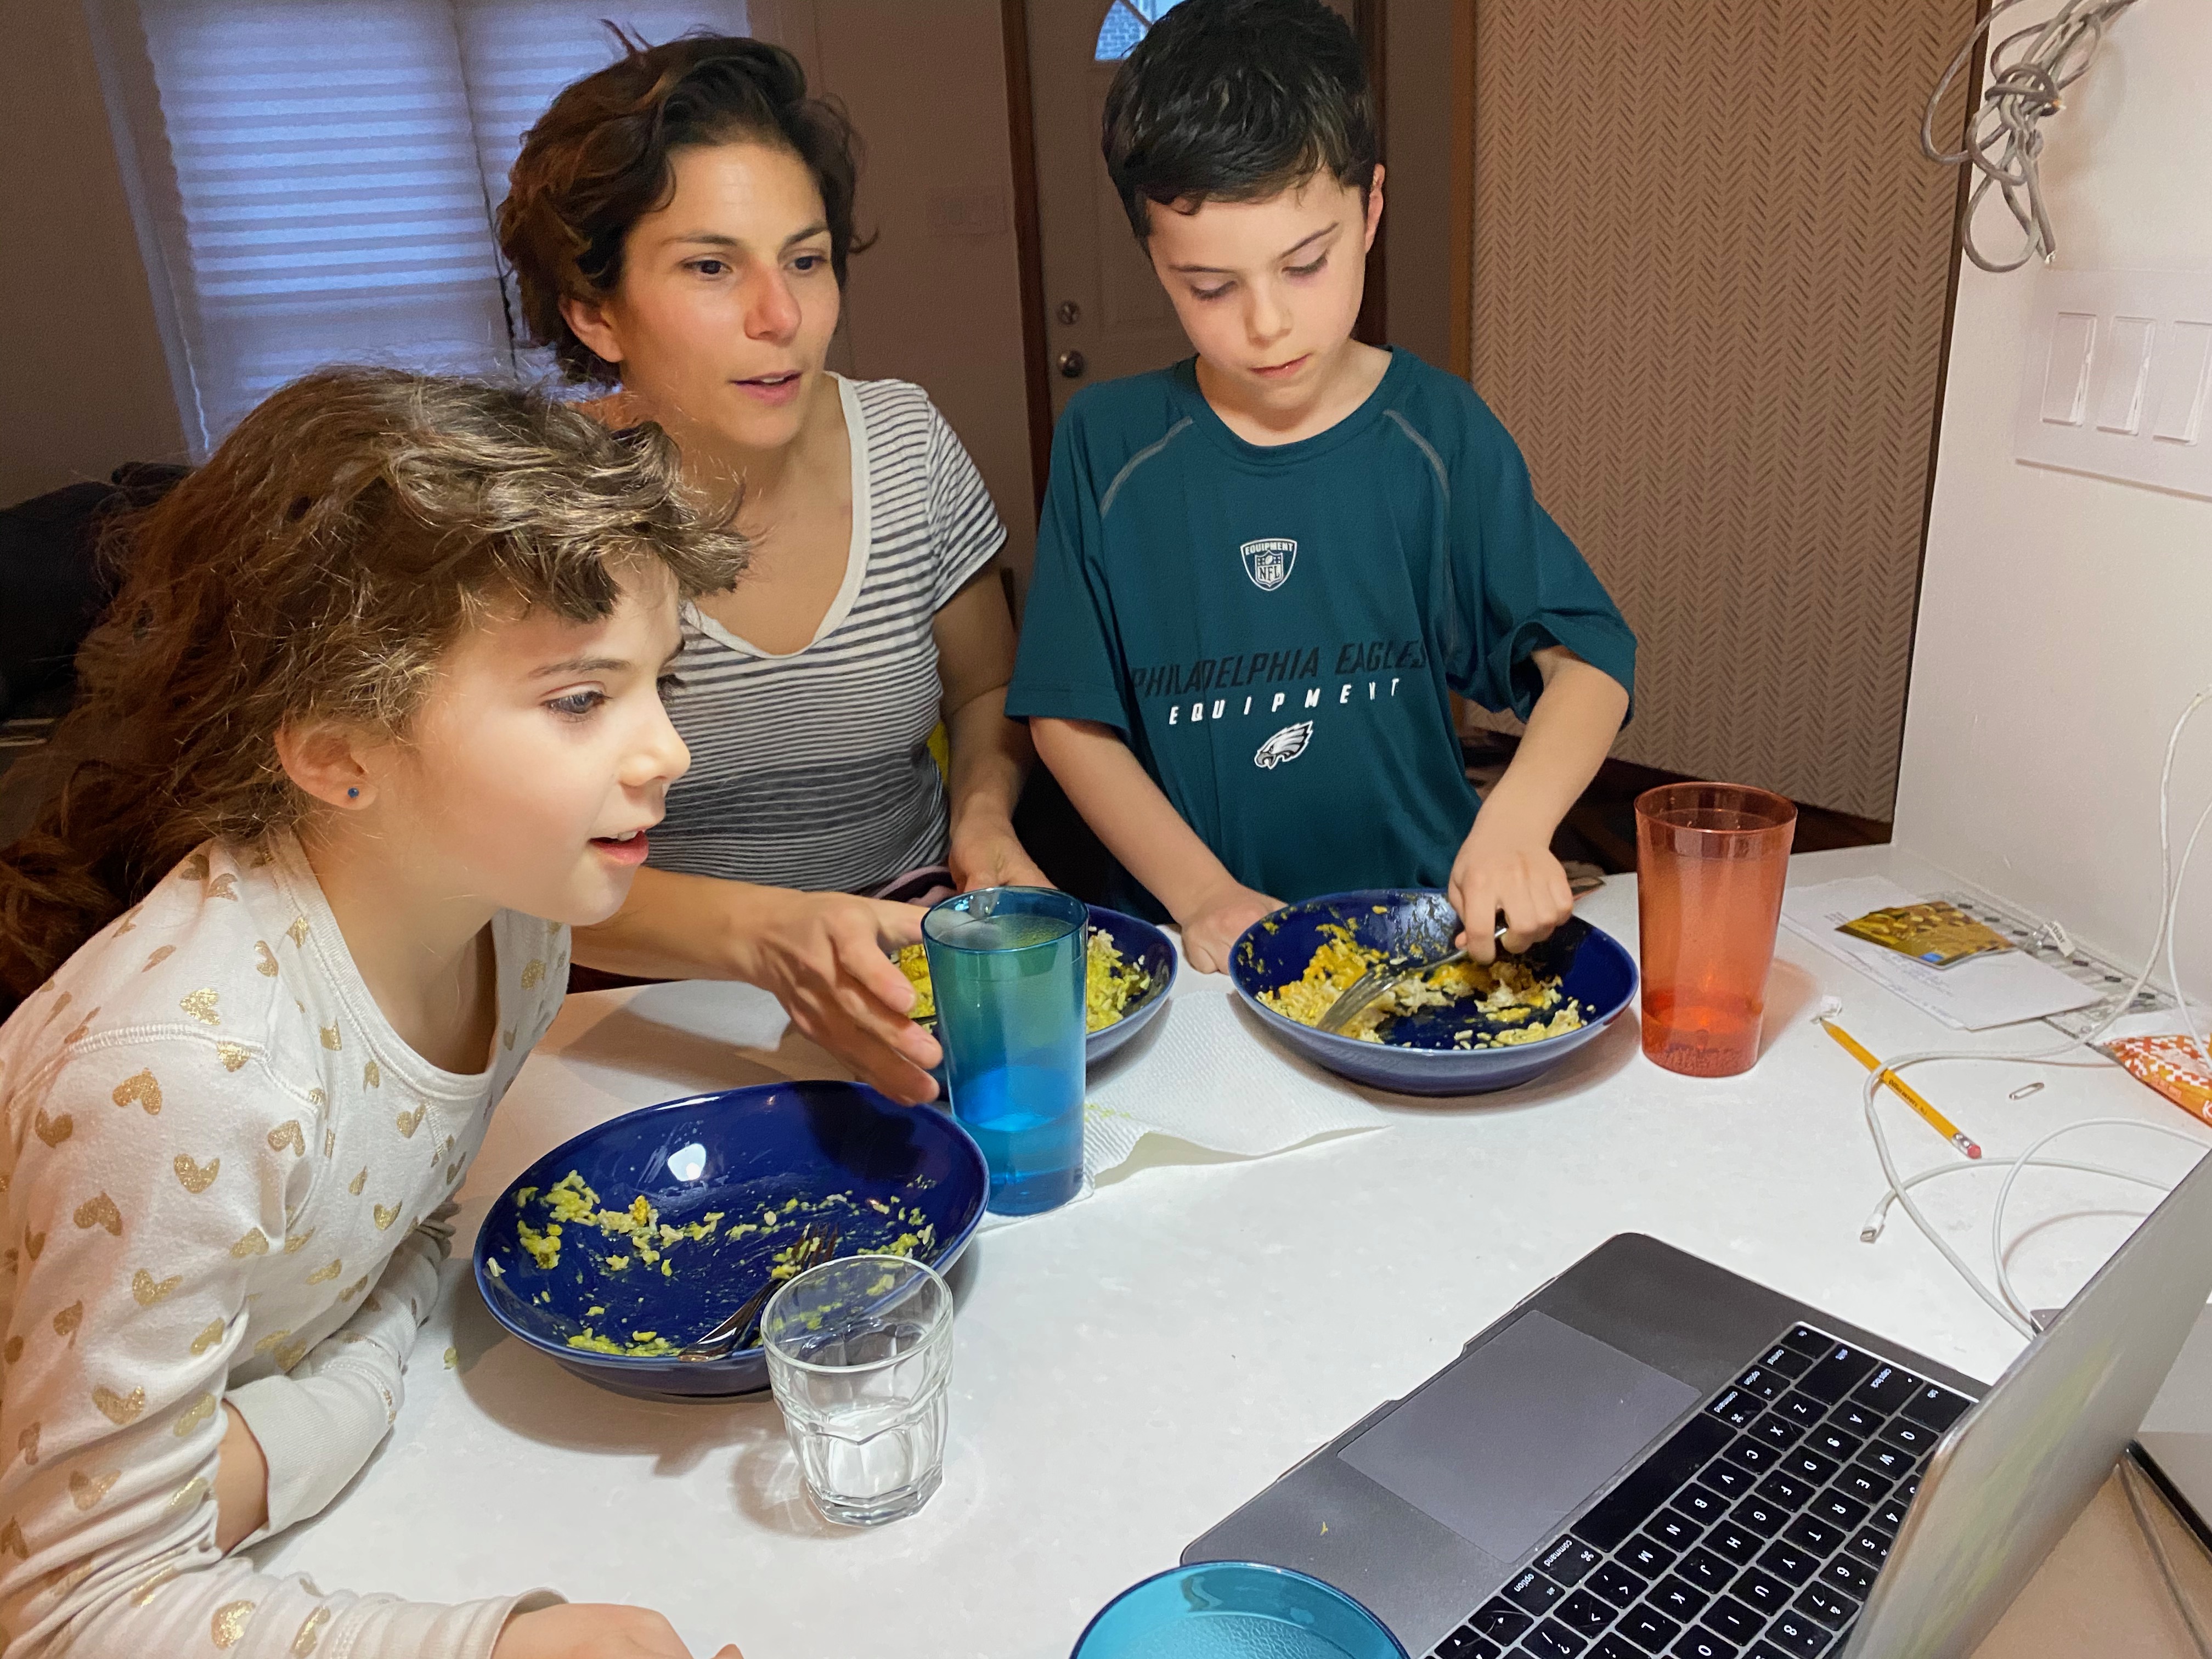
(223, 1179)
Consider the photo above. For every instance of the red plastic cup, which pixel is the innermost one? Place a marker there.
(1711, 859)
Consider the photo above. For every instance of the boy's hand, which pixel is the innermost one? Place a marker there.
(1506, 866)
(821, 955)
(588, 1630)
(1215, 923)
(992, 857)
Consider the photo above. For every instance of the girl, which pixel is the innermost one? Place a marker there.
(679, 224)
(392, 663)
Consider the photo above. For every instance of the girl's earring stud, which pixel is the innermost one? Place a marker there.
(353, 794)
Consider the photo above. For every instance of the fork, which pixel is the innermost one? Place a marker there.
(1361, 993)
(816, 1244)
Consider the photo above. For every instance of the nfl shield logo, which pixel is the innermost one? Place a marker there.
(1268, 561)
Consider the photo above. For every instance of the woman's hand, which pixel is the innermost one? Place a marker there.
(821, 955)
(593, 1630)
(1216, 922)
(1506, 863)
(992, 856)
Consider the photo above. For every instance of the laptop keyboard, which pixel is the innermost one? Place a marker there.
(1753, 1533)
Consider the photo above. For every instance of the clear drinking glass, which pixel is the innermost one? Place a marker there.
(859, 1351)
(1710, 860)
(1006, 965)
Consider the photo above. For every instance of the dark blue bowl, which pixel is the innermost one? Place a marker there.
(740, 1151)
(1142, 945)
(1418, 1058)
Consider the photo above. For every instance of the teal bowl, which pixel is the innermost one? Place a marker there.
(1235, 1610)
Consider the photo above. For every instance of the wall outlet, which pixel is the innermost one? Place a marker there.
(2118, 380)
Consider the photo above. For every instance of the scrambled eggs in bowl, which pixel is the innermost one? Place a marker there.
(730, 1180)
(1515, 1003)
(1463, 1031)
(1111, 984)
(641, 1242)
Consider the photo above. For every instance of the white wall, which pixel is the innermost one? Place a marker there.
(86, 386)
(2064, 621)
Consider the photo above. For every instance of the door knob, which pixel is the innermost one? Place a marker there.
(1071, 365)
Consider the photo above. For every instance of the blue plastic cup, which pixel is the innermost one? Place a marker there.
(1236, 1610)
(1006, 965)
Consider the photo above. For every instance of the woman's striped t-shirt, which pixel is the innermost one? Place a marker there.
(811, 770)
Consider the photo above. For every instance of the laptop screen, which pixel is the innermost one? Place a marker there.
(2013, 1474)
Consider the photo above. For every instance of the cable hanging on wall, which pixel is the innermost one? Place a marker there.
(2028, 72)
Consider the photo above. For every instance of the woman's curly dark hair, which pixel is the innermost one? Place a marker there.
(318, 568)
(601, 158)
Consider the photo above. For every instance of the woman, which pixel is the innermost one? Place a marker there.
(679, 224)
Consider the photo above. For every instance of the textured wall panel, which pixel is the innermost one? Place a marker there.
(1709, 263)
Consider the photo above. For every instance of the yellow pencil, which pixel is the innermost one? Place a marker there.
(1903, 1091)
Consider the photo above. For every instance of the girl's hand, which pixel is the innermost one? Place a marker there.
(242, 1483)
(821, 955)
(593, 1631)
(1507, 865)
(992, 857)
(1214, 926)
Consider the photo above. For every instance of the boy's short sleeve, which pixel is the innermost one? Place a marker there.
(1520, 585)
(1069, 665)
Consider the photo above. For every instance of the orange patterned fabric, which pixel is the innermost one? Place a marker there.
(2173, 1066)
(1709, 275)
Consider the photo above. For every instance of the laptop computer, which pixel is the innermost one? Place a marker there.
(1652, 1455)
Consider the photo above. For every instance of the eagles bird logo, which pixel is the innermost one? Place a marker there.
(1286, 744)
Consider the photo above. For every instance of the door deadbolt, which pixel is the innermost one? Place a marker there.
(1069, 311)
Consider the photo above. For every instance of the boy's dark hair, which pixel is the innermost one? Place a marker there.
(1236, 100)
(601, 157)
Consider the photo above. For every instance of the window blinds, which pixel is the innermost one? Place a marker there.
(321, 180)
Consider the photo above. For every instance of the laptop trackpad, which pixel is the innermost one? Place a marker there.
(1504, 1444)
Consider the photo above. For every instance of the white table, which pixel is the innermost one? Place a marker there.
(1134, 1366)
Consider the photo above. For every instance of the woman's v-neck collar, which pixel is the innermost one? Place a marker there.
(856, 551)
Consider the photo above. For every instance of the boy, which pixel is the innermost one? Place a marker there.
(1261, 572)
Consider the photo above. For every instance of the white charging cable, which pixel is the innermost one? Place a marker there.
(2002, 1300)
(2028, 1158)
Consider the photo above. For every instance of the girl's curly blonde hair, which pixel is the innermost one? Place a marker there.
(351, 529)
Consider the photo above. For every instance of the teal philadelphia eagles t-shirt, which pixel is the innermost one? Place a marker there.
(1275, 629)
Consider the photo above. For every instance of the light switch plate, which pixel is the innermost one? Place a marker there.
(2117, 377)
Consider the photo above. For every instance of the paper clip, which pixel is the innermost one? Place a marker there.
(2024, 1091)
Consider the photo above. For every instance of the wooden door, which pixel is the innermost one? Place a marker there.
(1105, 314)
